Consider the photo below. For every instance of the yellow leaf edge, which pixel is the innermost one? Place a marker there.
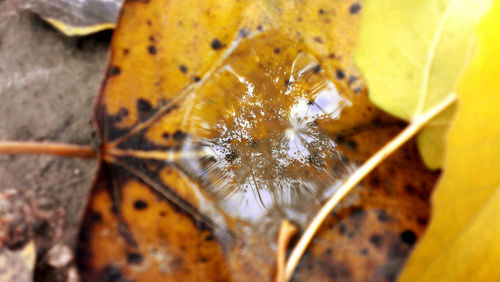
(70, 30)
(462, 242)
(431, 139)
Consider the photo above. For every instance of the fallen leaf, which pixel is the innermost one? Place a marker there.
(462, 242)
(17, 265)
(220, 120)
(77, 18)
(412, 54)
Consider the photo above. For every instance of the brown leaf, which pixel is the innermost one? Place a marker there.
(220, 120)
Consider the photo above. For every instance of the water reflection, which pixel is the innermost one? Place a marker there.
(264, 148)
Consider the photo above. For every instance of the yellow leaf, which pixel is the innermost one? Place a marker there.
(463, 240)
(70, 30)
(412, 53)
(78, 18)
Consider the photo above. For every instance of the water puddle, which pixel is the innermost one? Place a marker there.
(259, 122)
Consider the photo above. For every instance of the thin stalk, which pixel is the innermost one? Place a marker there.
(410, 131)
(155, 155)
(285, 234)
(43, 148)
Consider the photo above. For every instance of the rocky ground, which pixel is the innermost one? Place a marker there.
(48, 83)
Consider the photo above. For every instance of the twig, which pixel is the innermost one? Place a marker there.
(286, 232)
(155, 154)
(43, 148)
(412, 129)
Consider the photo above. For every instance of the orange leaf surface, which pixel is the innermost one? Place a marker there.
(220, 119)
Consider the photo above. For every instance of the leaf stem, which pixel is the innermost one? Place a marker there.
(285, 234)
(43, 148)
(155, 154)
(417, 123)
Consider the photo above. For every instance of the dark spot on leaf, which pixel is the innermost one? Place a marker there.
(340, 74)
(152, 50)
(355, 8)
(203, 260)
(140, 204)
(196, 78)
(277, 50)
(331, 56)
(259, 28)
(163, 213)
(364, 252)
(112, 273)
(408, 237)
(316, 69)
(95, 216)
(216, 44)
(114, 71)
(321, 11)
(342, 229)
(148, 22)
(151, 38)
(340, 139)
(383, 216)
(126, 51)
(299, 19)
(376, 240)
(179, 136)
(209, 237)
(122, 113)
(144, 108)
(410, 189)
(165, 135)
(134, 258)
(358, 213)
(183, 68)
(374, 181)
(329, 251)
(351, 144)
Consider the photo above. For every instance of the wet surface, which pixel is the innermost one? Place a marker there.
(260, 132)
(266, 121)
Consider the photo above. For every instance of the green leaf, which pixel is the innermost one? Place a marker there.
(412, 54)
(463, 239)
